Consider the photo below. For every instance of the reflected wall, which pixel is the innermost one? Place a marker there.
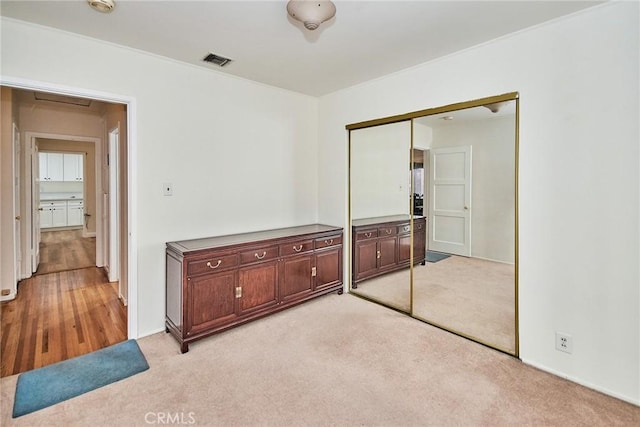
(380, 206)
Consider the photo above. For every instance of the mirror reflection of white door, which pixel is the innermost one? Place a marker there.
(450, 200)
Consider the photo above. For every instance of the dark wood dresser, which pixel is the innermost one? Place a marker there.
(383, 244)
(216, 283)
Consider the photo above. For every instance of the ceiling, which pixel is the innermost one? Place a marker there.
(365, 40)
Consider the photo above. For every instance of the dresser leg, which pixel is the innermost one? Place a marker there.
(340, 291)
(184, 348)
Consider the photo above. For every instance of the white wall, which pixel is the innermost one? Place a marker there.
(579, 182)
(380, 176)
(240, 155)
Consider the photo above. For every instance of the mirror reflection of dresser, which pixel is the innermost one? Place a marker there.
(442, 182)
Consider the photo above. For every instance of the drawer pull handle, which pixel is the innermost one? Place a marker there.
(419, 226)
(378, 254)
(328, 242)
(298, 249)
(367, 235)
(388, 231)
(214, 266)
(406, 228)
(263, 255)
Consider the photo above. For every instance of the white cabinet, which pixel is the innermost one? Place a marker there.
(73, 167)
(53, 214)
(75, 213)
(51, 166)
(61, 167)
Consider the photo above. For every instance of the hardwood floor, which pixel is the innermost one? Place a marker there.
(60, 315)
(62, 250)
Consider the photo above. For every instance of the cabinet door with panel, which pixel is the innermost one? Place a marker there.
(387, 248)
(258, 287)
(75, 213)
(328, 270)
(296, 277)
(51, 166)
(211, 301)
(59, 214)
(46, 217)
(366, 257)
(404, 243)
(73, 167)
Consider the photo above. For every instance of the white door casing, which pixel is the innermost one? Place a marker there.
(36, 212)
(17, 254)
(450, 200)
(131, 213)
(114, 208)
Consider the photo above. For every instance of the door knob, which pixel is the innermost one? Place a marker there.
(18, 218)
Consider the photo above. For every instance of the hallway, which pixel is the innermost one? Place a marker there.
(63, 250)
(68, 308)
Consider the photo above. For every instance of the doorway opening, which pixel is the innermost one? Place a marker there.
(87, 266)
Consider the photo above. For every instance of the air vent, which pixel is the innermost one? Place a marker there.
(62, 99)
(216, 59)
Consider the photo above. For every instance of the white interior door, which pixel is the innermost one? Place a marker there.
(114, 208)
(35, 205)
(16, 204)
(450, 200)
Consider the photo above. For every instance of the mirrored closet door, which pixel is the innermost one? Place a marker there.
(460, 223)
(380, 189)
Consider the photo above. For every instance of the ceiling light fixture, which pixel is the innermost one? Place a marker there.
(104, 6)
(496, 106)
(311, 13)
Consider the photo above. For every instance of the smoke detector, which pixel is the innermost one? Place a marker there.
(104, 6)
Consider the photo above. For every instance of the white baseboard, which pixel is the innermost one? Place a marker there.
(86, 233)
(582, 383)
(146, 334)
(9, 297)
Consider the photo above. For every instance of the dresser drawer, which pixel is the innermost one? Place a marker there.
(296, 247)
(367, 234)
(211, 264)
(404, 228)
(326, 242)
(387, 231)
(259, 254)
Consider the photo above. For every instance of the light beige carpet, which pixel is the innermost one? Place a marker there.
(470, 296)
(334, 361)
(392, 289)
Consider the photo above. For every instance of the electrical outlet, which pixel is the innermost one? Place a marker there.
(564, 342)
(167, 189)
